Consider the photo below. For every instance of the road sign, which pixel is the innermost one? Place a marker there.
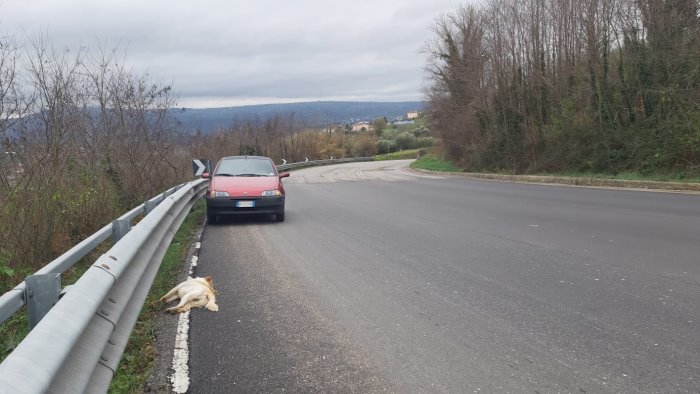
(200, 166)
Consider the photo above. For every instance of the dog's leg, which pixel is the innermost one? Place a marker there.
(172, 294)
(184, 309)
(185, 303)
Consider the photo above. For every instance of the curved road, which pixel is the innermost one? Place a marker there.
(387, 280)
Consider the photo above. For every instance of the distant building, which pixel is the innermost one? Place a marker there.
(362, 126)
(412, 115)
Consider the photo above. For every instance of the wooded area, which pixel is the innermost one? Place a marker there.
(83, 139)
(608, 86)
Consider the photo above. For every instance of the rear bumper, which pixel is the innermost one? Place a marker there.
(227, 206)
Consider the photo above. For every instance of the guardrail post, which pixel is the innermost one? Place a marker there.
(148, 206)
(41, 294)
(119, 229)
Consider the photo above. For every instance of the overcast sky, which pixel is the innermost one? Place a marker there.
(220, 53)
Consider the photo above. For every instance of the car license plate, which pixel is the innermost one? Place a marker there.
(245, 204)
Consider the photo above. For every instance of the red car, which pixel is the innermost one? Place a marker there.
(243, 185)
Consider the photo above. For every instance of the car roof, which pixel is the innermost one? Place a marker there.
(246, 157)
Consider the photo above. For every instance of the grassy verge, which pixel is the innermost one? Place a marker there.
(432, 162)
(13, 331)
(140, 353)
(677, 182)
(400, 155)
(629, 176)
(435, 162)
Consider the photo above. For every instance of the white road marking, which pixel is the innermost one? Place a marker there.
(193, 264)
(180, 378)
(181, 371)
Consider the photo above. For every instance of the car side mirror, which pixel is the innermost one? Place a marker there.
(284, 175)
(205, 175)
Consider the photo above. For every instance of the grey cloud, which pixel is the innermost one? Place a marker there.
(234, 50)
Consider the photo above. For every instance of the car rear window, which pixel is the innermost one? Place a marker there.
(246, 167)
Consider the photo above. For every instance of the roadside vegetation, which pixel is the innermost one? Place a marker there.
(282, 138)
(84, 140)
(435, 162)
(15, 329)
(399, 137)
(401, 155)
(557, 87)
(629, 176)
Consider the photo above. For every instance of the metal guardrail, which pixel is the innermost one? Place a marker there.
(78, 344)
(313, 163)
(14, 299)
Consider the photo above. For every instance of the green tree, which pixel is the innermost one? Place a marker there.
(378, 125)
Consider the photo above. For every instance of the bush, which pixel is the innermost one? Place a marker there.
(406, 140)
(386, 146)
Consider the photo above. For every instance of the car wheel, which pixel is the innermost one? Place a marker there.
(279, 217)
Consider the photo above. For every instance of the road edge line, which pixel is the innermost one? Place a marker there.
(180, 378)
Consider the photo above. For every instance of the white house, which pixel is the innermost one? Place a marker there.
(362, 126)
(412, 115)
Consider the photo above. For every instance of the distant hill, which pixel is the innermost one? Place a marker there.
(312, 113)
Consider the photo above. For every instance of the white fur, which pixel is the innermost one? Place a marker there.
(193, 293)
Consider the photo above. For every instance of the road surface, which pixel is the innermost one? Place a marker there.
(386, 280)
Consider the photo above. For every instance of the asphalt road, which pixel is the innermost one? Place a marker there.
(384, 280)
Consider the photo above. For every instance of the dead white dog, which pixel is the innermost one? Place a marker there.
(193, 293)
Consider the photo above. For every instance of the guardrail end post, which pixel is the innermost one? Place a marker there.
(119, 229)
(41, 294)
